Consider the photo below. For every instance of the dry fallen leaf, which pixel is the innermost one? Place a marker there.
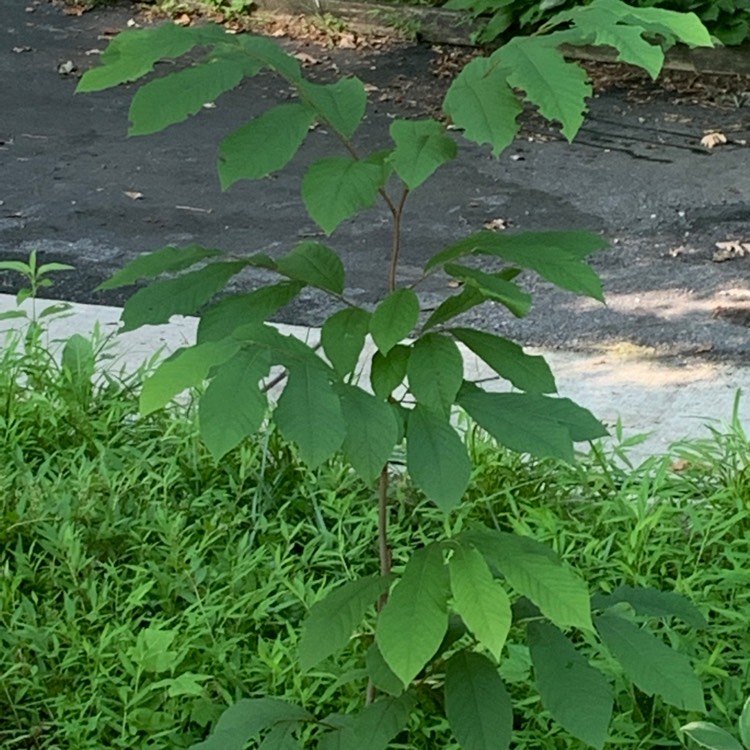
(455, 283)
(66, 68)
(306, 59)
(19, 50)
(675, 252)
(183, 20)
(134, 194)
(713, 138)
(729, 250)
(496, 225)
(680, 464)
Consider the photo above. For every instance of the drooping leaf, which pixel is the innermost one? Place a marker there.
(232, 408)
(381, 674)
(314, 264)
(165, 260)
(266, 52)
(436, 458)
(373, 728)
(246, 719)
(175, 97)
(343, 337)
(331, 621)
(477, 704)
(182, 295)
(340, 105)
(336, 188)
(578, 696)
(557, 87)
(536, 572)
(186, 368)
(530, 423)
(371, 431)
(680, 26)
(480, 599)
(421, 147)
(454, 305)
(388, 371)
(412, 624)
(481, 102)
(652, 665)
(435, 371)
(651, 602)
(264, 145)
(526, 372)
(707, 735)
(394, 319)
(493, 286)
(309, 414)
(132, 53)
(281, 737)
(547, 254)
(221, 319)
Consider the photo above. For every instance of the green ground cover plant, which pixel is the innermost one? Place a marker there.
(446, 613)
(143, 585)
(727, 20)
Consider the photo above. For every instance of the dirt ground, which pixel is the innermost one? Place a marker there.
(77, 189)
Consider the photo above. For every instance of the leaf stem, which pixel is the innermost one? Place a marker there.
(397, 212)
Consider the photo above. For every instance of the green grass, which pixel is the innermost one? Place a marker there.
(143, 587)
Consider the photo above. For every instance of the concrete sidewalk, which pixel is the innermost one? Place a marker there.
(648, 394)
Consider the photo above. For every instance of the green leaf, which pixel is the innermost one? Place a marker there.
(685, 27)
(373, 728)
(530, 423)
(281, 737)
(381, 674)
(165, 260)
(394, 319)
(132, 53)
(309, 414)
(341, 105)
(78, 359)
(454, 305)
(246, 719)
(343, 336)
(526, 372)
(435, 371)
(183, 295)
(372, 431)
(479, 599)
(336, 188)
(421, 147)
(535, 571)
(412, 624)
(477, 704)
(266, 53)
(264, 145)
(547, 254)
(186, 368)
(151, 651)
(15, 265)
(578, 696)
(558, 88)
(233, 407)
(494, 287)
(744, 724)
(331, 621)
(650, 664)
(173, 98)
(651, 602)
(221, 319)
(436, 458)
(388, 371)
(314, 264)
(481, 102)
(705, 734)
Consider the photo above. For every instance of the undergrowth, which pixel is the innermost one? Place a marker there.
(143, 587)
